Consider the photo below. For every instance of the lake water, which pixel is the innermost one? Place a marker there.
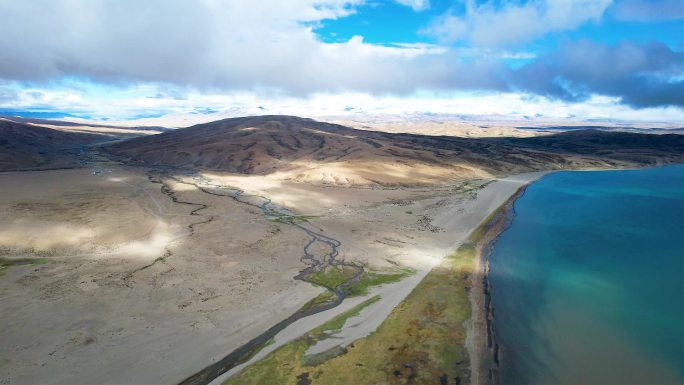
(588, 281)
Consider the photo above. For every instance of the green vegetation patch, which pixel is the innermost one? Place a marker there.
(421, 342)
(257, 349)
(293, 219)
(336, 324)
(332, 276)
(6, 263)
(478, 234)
(285, 365)
(325, 297)
(375, 277)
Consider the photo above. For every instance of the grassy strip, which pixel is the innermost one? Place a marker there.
(324, 297)
(421, 342)
(6, 263)
(371, 277)
(257, 350)
(332, 276)
(336, 324)
(479, 233)
(293, 219)
(375, 277)
(284, 365)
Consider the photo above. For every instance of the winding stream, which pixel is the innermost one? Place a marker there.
(270, 211)
(314, 265)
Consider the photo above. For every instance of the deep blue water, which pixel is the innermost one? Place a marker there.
(588, 281)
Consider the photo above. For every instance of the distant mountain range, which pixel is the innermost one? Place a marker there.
(306, 150)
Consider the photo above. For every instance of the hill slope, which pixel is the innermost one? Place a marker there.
(306, 150)
(27, 146)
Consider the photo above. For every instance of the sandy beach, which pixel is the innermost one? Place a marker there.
(480, 340)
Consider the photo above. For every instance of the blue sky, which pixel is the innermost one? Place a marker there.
(390, 22)
(580, 59)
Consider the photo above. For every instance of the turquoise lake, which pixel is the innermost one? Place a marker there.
(588, 281)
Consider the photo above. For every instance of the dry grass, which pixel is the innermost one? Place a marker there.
(421, 342)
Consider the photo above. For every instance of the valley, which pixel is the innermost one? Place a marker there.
(190, 255)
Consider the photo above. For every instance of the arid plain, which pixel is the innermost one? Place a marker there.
(135, 256)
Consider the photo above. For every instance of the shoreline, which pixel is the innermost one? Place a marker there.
(485, 351)
(459, 222)
(481, 342)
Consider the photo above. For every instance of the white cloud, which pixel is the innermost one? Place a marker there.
(489, 25)
(224, 44)
(268, 47)
(416, 5)
(127, 105)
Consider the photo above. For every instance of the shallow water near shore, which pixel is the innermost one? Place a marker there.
(588, 281)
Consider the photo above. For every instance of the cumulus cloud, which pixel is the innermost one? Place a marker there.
(641, 75)
(491, 25)
(224, 44)
(649, 10)
(146, 105)
(270, 47)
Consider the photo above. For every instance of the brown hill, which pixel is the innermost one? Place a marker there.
(27, 146)
(625, 146)
(306, 150)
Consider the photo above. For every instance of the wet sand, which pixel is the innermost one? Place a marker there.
(480, 340)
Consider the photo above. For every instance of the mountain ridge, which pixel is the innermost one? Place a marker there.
(306, 150)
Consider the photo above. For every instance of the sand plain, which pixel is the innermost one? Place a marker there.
(132, 295)
(365, 231)
(443, 128)
(105, 308)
